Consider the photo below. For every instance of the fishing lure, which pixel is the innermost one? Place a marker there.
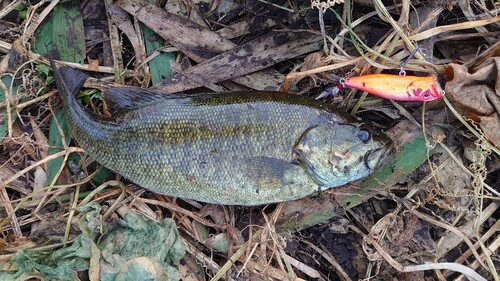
(393, 87)
(397, 87)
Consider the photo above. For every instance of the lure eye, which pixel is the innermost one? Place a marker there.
(426, 96)
(364, 136)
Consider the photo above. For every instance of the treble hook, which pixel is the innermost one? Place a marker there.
(402, 71)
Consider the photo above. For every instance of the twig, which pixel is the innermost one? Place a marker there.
(33, 101)
(5, 47)
(204, 260)
(176, 208)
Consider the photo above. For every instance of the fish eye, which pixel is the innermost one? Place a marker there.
(364, 136)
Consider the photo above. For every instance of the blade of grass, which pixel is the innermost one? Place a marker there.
(452, 27)
(386, 16)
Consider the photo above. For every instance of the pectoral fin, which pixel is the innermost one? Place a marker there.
(268, 172)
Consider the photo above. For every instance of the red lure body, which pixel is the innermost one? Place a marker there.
(397, 87)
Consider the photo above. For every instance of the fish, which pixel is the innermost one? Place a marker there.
(392, 87)
(239, 148)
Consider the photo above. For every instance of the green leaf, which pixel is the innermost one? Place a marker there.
(62, 33)
(160, 65)
(43, 69)
(88, 95)
(103, 174)
(22, 14)
(44, 44)
(409, 158)
(67, 31)
(56, 144)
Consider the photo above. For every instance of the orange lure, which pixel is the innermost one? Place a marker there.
(397, 87)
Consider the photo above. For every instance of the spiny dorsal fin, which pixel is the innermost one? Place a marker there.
(121, 99)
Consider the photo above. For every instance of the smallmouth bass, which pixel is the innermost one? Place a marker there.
(244, 148)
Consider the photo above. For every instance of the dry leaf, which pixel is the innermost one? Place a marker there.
(476, 95)
(250, 57)
(7, 170)
(197, 42)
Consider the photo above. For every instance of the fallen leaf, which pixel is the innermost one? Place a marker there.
(250, 57)
(476, 95)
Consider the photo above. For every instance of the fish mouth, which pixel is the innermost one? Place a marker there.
(375, 157)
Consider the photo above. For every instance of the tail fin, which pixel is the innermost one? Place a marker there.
(68, 80)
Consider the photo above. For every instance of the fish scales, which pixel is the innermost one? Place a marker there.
(237, 148)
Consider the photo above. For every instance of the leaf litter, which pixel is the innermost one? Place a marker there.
(431, 212)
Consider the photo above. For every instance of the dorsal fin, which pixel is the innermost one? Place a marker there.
(127, 98)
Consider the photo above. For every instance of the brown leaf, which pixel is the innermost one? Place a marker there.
(198, 42)
(491, 128)
(42, 143)
(8, 170)
(476, 93)
(20, 145)
(121, 19)
(253, 56)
